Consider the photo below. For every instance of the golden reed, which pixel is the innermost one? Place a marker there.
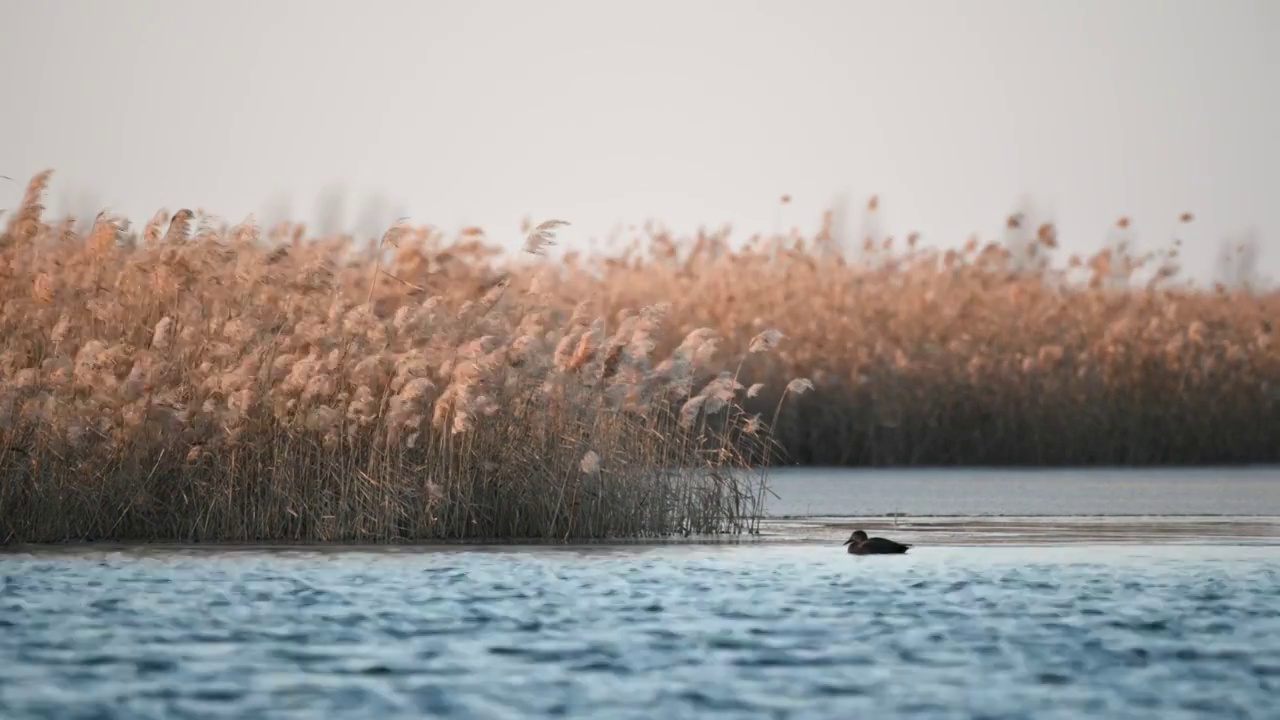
(199, 382)
(195, 382)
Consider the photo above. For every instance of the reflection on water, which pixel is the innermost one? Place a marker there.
(745, 631)
(935, 530)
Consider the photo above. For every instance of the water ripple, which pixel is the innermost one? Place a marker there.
(677, 632)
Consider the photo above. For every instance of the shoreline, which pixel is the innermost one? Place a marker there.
(939, 531)
(1044, 530)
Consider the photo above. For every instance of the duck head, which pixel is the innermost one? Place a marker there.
(857, 537)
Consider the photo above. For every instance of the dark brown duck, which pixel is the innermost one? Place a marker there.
(860, 544)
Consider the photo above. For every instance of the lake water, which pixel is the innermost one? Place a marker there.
(1171, 492)
(1066, 614)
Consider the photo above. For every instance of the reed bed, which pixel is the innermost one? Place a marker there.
(197, 382)
(193, 382)
(983, 355)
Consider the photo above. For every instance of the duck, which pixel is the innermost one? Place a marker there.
(860, 544)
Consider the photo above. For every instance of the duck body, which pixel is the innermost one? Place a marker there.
(860, 544)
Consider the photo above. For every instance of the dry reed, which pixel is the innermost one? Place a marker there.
(199, 382)
(985, 355)
(203, 383)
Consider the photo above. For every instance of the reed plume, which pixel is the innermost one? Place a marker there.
(208, 384)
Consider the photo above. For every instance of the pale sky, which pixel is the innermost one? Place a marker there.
(685, 111)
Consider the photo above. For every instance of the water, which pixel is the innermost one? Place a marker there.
(1165, 492)
(1014, 623)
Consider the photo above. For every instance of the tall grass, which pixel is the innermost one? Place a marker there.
(200, 383)
(192, 381)
(988, 354)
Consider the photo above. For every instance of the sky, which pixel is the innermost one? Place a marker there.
(689, 112)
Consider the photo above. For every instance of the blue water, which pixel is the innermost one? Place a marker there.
(742, 631)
